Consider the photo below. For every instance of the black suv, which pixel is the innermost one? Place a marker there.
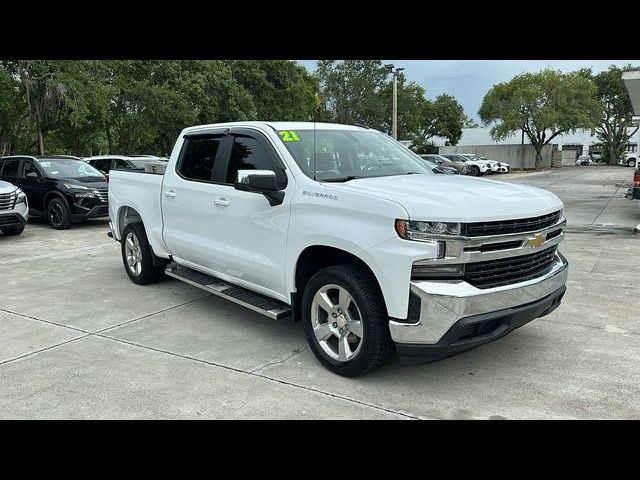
(64, 189)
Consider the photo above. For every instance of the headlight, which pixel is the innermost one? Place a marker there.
(424, 231)
(88, 194)
(22, 197)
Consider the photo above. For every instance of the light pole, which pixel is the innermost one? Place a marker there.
(395, 72)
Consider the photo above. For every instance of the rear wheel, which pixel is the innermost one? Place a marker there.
(13, 230)
(631, 162)
(137, 256)
(474, 170)
(345, 320)
(58, 214)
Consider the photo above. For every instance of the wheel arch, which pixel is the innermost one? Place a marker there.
(54, 194)
(316, 257)
(127, 215)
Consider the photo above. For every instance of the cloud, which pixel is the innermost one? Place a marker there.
(470, 80)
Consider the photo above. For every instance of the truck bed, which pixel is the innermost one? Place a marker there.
(141, 192)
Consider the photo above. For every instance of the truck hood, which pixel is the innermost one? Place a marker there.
(454, 198)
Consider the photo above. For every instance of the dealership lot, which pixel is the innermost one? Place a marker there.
(79, 340)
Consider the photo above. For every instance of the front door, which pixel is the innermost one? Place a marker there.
(250, 235)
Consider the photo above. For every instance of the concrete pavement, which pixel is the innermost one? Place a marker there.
(79, 340)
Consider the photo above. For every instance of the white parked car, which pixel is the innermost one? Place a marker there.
(476, 167)
(584, 160)
(630, 159)
(348, 231)
(14, 209)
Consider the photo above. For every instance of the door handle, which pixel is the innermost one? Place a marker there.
(170, 193)
(223, 202)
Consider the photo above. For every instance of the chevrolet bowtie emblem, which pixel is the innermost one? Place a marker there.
(536, 241)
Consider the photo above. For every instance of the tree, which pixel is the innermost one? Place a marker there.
(352, 91)
(470, 123)
(42, 93)
(543, 105)
(443, 117)
(616, 111)
(280, 89)
(11, 111)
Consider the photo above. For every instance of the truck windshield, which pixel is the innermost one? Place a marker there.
(68, 168)
(342, 155)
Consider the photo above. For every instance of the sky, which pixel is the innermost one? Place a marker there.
(469, 80)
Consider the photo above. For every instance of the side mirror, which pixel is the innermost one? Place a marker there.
(260, 181)
(32, 175)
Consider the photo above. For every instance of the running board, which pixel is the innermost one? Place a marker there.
(255, 301)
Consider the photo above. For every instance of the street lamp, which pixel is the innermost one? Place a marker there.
(395, 71)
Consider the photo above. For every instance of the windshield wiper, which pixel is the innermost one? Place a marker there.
(341, 179)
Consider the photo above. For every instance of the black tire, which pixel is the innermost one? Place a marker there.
(13, 230)
(376, 343)
(474, 170)
(58, 214)
(631, 162)
(149, 273)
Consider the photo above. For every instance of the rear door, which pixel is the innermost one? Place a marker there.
(187, 200)
(10, 170)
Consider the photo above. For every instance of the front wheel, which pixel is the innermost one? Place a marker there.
(345, 320)
(631, 162)
(137, 256)
(58, 214)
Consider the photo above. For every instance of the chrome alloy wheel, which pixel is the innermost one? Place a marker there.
(337, 322)
(133, 253)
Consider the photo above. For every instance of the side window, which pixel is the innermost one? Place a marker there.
(29, 167)
(198, 156)
(10, 168)
(248, 153)
(104, 165)
(119, 163)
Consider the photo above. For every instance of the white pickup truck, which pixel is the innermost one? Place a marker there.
(343, 228)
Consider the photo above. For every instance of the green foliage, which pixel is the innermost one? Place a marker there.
(543, 105)
(616, 111)
(11, 110)
(353, 90)
(129, 107)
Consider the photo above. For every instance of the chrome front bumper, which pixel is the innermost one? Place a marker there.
(443, 303)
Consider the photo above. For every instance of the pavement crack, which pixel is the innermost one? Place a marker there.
(265, 377)
(50, 347)
(293, 353)
(50, 322)
(173, 307)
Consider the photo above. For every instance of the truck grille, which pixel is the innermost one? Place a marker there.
(506, 271)
(102, 194)
(7, 200)
(505, 227)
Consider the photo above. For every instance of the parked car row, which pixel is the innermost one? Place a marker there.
(63, 189)
(466, 164)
